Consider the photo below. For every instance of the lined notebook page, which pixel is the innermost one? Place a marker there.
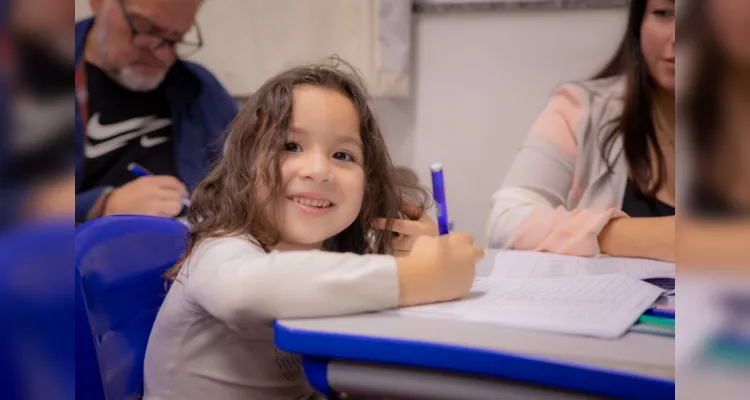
(602, 306)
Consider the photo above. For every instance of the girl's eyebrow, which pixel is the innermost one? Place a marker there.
(355, 140)
(297, 129)
(349, 139)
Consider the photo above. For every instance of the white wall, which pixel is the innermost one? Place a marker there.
(82, 9)
(479, 82)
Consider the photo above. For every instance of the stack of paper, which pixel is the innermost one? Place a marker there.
(561, 297)
(515, 264)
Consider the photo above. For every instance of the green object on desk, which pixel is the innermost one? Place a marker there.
(727, 353)
(651, 320)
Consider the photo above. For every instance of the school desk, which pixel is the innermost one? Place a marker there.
(386, 354)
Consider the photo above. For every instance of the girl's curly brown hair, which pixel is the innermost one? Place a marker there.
(228, 203)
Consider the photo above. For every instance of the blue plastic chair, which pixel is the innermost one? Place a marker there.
(121, 260)
(88, 381)
(36, 309)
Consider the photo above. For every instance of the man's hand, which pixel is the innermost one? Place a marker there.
(159, 195)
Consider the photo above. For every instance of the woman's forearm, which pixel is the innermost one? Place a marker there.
(714, 244)
(639, 237)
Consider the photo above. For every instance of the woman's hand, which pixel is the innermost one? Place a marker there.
(419, 224)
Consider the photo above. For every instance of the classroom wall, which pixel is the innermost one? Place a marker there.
(82, 9)
(479, 82)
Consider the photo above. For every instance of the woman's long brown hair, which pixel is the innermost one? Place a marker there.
(230, 201)
(700, 101)
(635, 124)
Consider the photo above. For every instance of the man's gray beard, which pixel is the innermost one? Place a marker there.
(126, 77)
(138, 83)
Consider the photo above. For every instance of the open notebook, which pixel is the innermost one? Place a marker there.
(575, 301)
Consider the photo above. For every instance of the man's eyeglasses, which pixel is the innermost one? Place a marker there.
(143, 36)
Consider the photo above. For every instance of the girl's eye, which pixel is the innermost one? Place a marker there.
(664, 13)
(292, 147)
(343, 156)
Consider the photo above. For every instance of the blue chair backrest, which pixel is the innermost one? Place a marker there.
(88, 381)
(36, 309)
(121, 260)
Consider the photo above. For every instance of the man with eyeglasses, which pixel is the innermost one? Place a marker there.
(139, 102)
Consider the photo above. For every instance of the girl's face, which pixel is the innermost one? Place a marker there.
(730, 22)
(322, 169)
(658, 43)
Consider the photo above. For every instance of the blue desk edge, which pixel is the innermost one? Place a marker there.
(319, 347)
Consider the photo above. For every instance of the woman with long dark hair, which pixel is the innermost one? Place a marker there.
(715, 122)
(716, 106)
(596, 172)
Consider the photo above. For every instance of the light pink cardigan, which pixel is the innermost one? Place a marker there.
(558, 194)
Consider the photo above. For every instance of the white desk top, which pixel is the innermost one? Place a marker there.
(634, 353)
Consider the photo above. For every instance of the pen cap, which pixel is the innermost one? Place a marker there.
(437, 183)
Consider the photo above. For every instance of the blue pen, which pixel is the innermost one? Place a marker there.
(140, 171)
(438, 189)
(655, 312)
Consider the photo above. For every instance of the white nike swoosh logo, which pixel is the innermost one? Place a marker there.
(96, 130)
(151, 142)
(97, 150)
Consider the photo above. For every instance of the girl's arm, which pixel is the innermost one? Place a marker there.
(529, 211)
(237, 282)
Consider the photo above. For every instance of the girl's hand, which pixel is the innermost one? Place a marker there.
(419, 224)
(438, 269)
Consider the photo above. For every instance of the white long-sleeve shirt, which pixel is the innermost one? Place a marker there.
(213, 336)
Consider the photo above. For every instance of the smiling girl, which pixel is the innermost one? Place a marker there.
(283, 227)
